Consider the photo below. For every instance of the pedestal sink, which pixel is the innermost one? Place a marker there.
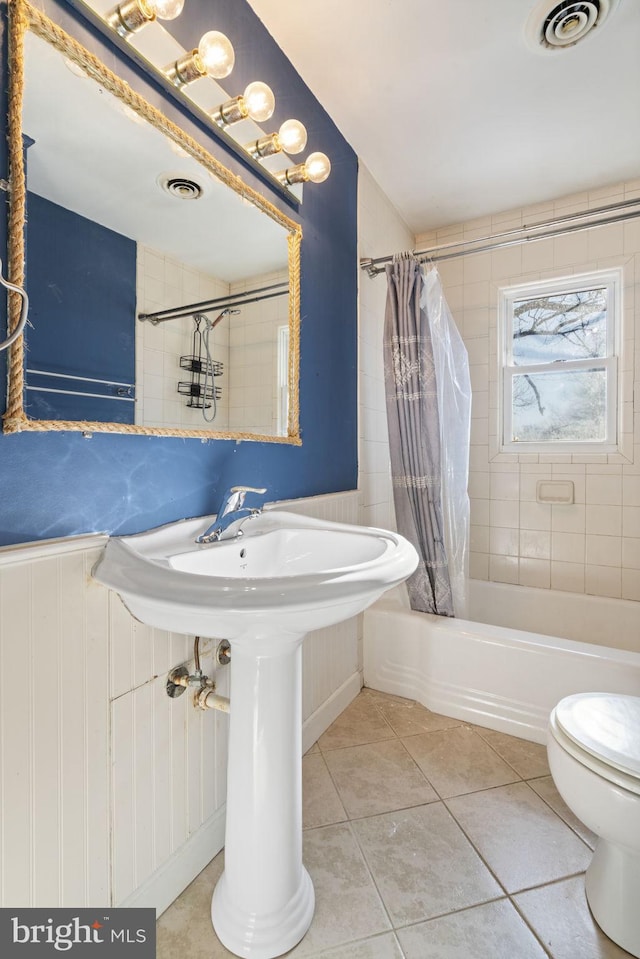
(285, 575)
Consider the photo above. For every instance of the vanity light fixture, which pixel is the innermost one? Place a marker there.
(257, 102)
(131, 15)
(316, 168)
(214, 57)
(291, 137)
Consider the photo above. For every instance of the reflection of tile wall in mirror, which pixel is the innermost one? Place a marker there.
(90, 156)
(253, 358)
(163, 282)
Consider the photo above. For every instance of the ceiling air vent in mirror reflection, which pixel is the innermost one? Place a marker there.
(180, 187)
(558, 26)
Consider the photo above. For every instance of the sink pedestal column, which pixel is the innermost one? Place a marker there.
(263, 903)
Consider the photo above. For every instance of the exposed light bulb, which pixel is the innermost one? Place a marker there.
(216, 54)
(166, 9)
(214, 58)
(131, 15)
(259, 101)
(292, 136)
(317, 167)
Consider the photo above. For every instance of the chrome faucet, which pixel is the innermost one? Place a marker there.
(231, 510)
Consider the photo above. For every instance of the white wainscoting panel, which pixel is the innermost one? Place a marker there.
(54, 730)
(169, 777)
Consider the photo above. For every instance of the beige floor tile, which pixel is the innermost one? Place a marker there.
(560, 916)
(348, 906)
(379, 947)
(320, 800)
(458, 761)
(528, 759)
(379, 697)
(546, 789)
(425, 868)
(360, 723)
(377, 778)
(422, 863)
(521, 839)
(492, 931)
(185, 928)
(407, 718)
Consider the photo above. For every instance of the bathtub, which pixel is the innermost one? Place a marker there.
(485, 670)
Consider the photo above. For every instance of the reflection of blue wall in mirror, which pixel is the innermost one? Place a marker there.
(58, 484)
(81, 281)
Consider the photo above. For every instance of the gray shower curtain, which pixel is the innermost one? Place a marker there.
(414, 435)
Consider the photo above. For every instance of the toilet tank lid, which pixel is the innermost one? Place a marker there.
(607, 725)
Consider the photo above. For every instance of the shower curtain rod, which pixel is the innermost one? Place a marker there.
(518, 235)
(232, 299)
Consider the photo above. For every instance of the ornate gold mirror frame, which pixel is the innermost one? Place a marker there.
(23, 17)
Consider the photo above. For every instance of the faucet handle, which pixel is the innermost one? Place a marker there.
(234, 498)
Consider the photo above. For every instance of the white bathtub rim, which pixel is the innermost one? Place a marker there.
(581, 617)
(499, 634)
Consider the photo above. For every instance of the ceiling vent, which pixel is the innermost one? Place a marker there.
(556, 26)
(181, 187)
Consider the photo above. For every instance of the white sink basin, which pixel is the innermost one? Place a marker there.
(298, 572)
(286, 575)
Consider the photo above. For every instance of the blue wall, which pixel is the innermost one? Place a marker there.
(81, 281)
(59, 484)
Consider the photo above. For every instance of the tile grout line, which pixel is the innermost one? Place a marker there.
(440, 799)
(572, 828)
(349, 822)
(507, 896)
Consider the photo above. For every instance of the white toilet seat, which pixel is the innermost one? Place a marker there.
(594, 757)
(602, 732)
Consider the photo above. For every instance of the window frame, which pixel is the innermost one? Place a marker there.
(611, 280)
(282, 381)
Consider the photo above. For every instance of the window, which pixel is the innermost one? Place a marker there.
(283, 381)
(559, 364)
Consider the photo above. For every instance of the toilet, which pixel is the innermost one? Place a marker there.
(594, 756)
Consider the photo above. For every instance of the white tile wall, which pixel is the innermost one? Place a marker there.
(246, 344)
(110, 791)
(588, 546)
(253, 357)
(162, 283)
(591, 546)
(380, 231)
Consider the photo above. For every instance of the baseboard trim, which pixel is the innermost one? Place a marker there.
(174, 875)
(321, 719)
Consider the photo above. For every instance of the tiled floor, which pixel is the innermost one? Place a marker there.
(426, 838)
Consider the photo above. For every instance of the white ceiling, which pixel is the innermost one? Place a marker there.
(451, 110)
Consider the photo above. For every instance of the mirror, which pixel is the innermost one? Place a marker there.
(164, 292)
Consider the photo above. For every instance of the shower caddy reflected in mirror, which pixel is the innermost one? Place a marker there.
(25, 19)
(201, 388)
(200, 363)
